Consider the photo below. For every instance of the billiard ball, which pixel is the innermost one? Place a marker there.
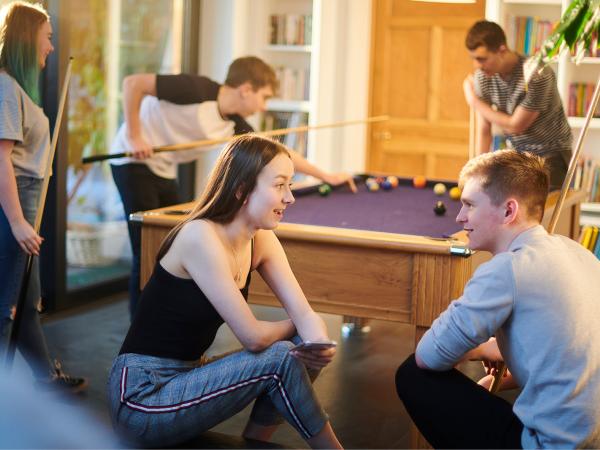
(324, 190)
(386, 185)
(439, 189)
(439, 209)
(455, 193)
(393, 181)
(419, 181)
(370, 180)
(373, 187)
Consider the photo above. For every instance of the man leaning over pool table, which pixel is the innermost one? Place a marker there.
(538, 296)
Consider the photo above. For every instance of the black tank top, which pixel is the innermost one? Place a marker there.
(174, 319)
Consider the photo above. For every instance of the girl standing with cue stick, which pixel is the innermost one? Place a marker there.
(25, 43)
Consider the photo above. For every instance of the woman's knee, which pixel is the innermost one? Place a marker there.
(278, 351)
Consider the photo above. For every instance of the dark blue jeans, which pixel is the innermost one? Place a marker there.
(141, 190)
(13, 260)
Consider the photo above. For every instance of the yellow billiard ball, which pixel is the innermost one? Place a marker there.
(455, 193)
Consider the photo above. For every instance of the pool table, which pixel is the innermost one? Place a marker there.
(382, 255)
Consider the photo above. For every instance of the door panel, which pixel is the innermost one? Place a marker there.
(418, 64)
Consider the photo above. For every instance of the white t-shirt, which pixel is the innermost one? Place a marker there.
(165, 123)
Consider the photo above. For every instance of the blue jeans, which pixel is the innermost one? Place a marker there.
(162, 402)
(13, 261)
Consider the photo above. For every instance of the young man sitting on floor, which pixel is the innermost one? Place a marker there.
(538, 296)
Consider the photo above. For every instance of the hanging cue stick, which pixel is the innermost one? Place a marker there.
(210, 142)
(472, 133)
(14, 334)
(563, 193)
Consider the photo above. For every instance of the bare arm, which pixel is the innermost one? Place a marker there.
(275, 270)
(516, 123)
(484, 135)
(198, 250)
(302, 165)
(135, 88)
(23, 232)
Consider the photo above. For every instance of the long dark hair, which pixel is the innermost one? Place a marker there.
(231, 181)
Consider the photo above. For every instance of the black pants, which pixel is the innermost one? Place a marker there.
(452, 411)
(141, 190)
(558, 165)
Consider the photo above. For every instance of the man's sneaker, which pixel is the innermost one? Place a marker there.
(60, 382)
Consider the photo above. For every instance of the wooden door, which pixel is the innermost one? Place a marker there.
(418, 63)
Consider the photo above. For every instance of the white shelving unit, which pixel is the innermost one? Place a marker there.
(297, 63)
(338, 60)
(590, 214)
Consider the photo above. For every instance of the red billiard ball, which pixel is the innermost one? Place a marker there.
(419, 181)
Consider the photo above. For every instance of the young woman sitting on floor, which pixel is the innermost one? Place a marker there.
(162, 390)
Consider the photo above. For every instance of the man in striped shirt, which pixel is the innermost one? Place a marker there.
(531, 115)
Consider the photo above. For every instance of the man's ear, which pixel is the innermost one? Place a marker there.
(245, 89)
(511, 210)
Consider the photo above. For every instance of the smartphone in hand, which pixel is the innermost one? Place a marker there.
(316, 345)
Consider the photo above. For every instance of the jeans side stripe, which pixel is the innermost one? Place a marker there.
(289, 406)
(195, 401)
(212, 395)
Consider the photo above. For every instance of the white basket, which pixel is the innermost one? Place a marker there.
(96, 245)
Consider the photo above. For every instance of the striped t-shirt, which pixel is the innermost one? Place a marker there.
(550, 132)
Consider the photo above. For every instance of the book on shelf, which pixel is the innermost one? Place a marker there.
(587, 177)
(593, 239)
(588, 239)
(290, 29)
(580, 98)
(275, 120)
(293, 83)
(525, 34)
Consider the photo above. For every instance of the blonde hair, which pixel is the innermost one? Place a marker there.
(506, 173)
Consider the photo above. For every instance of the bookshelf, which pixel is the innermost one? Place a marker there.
(281, 32)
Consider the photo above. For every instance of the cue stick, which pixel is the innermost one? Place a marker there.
(563, 193)
(211, 142)
(14, 334)
(472, 133)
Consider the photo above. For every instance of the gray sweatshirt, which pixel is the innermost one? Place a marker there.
(541, 299)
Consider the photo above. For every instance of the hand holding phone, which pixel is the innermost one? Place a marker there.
(314, 345)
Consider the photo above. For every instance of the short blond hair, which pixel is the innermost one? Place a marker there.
(511, 173)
